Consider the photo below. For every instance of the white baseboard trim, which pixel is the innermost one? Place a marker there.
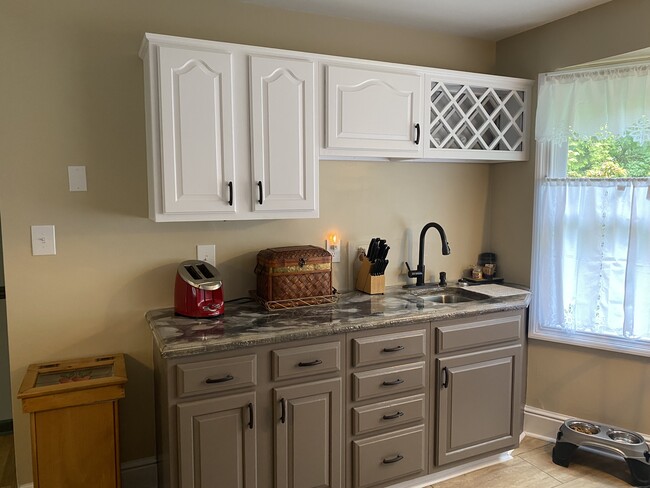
(544, 424)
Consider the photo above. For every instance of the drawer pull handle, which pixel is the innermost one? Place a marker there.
(393, 349)
(250, 415)
(398, 381)
(306, 364)
(230, 193)
(417, 134)
(396, 415)
(445, 377)
(283, 405)
(228, 377)
(392, 460)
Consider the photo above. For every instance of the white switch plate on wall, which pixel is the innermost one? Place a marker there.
(77, 178)
(43, 242)
(207, 253)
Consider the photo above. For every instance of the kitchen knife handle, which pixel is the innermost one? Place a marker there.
(261, 193)
(223, 379)
(417, 134)
(283, 406)
(445, 377)
(230, 193)
(251, 415)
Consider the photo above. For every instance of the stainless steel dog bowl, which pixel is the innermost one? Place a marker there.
(625, 437)
(584, 427)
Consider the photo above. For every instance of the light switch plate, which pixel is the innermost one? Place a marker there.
(77, 178)
(43, 241)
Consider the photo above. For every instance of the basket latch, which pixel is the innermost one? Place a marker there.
(301, 262)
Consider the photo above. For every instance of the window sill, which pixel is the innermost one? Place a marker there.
(592, 341)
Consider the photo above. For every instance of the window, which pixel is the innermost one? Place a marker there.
(591, 252)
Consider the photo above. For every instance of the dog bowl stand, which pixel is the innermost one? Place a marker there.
(631, 446)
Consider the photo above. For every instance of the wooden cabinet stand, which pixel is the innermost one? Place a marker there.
(74, 421)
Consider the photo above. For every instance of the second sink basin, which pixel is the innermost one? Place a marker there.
(452, 295)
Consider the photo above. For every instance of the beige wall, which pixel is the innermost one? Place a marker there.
(607, 387)
(71, 93)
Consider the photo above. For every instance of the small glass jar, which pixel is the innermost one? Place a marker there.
(477, 273)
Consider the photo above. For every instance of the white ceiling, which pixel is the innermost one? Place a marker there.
(482, 19)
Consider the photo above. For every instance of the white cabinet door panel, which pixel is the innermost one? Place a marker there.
(196, 131)
(283, 134)
(373, 111)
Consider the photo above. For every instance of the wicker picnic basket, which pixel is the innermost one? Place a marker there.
(294, 276)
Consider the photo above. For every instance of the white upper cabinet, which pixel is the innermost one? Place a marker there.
(283, 116)
(372, 112)
(197, 167)
(477, 117)
(231, 131)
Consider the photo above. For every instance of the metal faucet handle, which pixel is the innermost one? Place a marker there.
(411, 273)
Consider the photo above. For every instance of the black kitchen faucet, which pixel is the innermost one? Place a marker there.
(419, 272)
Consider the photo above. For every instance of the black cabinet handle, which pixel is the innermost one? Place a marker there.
(228, 377)
(398, 381)
(283, 405)
(306, 364)
(250, 415)
(396, 415)
(230, 193)
(417, 134)
(393, 349)
(260, 193)
(445, 377)
(392, 460)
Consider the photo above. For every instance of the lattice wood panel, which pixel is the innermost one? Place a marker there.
(483, 118)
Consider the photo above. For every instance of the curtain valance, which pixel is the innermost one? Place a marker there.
(586, 103)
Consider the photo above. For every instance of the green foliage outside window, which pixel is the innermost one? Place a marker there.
(606, 155)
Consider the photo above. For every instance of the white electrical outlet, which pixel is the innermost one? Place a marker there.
(77, 178)
(207, 253)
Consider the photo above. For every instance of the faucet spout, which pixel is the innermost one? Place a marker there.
(418, 274)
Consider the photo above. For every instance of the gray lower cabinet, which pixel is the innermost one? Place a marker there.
(308, 435)
(217, 442)
(478, 388)
(477, 402)
(365, 409)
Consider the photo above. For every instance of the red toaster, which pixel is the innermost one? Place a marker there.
(198, 291)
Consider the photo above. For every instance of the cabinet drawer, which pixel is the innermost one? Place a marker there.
(388, 347)
(387, 381)
(480, 333)
(387, 414)
(389, 456)
(306, 360)
(216, 375)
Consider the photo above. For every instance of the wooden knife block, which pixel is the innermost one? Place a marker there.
(373, 285)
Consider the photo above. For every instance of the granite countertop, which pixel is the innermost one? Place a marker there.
(248, 323)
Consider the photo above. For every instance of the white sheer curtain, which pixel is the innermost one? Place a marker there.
(591, 255)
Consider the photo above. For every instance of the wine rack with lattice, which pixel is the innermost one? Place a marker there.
(465, 116)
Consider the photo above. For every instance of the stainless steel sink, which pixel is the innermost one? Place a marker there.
(451, 295)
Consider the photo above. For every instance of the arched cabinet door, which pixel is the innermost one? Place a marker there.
(197, 166)
(283, 135)
(373, 112)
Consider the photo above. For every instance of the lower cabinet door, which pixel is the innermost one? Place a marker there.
(478, 403)
(308, 435)
(217, 442)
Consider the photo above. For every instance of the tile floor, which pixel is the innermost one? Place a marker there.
(532, 467)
